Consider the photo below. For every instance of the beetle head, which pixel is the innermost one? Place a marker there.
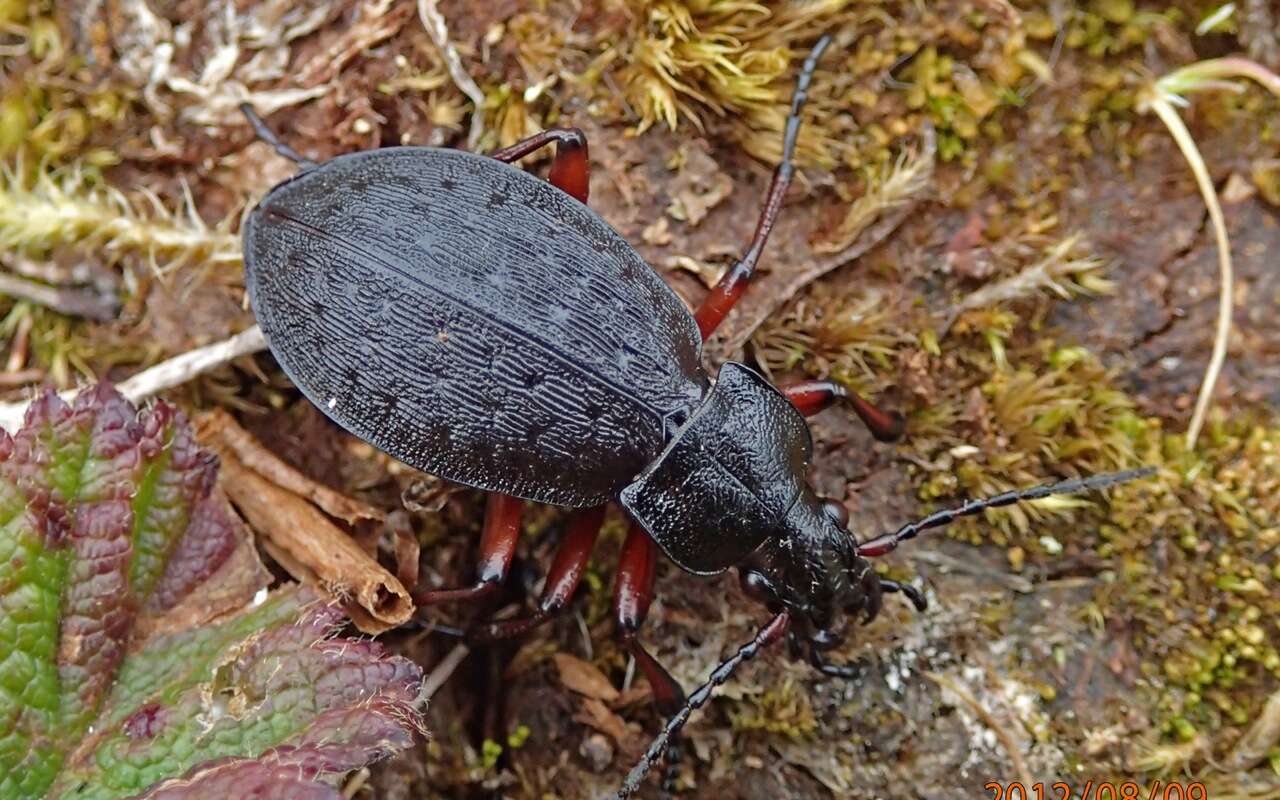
(812, 569)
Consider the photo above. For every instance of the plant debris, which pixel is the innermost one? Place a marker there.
(135, 666)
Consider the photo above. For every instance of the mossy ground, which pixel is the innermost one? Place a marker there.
(1132, 636)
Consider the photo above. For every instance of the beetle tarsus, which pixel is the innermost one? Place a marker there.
(908, 591)
(267, 135)
(848, 672)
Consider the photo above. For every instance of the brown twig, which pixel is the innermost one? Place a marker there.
(432, 683)
(314, 550)
(165, 375)
(1256, 742)
(1006, 741)
(219, 431)
(21, 343)
(438, 29)
(74, 302)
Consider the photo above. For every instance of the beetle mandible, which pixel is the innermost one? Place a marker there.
(487, 327)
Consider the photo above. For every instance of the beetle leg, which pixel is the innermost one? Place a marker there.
(872, 594)
(267, 135)
(910, 592)
(810, 397)
(729, 289)
(847, 671)
(571, 168)
(632, 595)
(497, 548)
(562, 579)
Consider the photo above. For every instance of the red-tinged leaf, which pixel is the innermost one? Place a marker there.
(109, 521)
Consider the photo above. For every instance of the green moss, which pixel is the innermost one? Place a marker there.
(785, 711)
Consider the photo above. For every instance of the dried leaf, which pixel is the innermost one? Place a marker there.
(314, 550)
(597, 715)
(583, 678)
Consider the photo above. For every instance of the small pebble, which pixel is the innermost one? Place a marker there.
(598, 752)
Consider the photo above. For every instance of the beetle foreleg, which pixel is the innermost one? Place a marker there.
(267, 135)
(908, 591)
(632, 594)
(497, 548)
(849, 672)
(571, 168)
(810, 397)
(729, 289)
(562, 581)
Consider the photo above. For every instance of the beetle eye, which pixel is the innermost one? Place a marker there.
(837, 512)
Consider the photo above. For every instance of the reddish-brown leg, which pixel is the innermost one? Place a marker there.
(571, 168)
(632, 595)
(810, 397)
(730, 287)
(566, 571)
(497, 548)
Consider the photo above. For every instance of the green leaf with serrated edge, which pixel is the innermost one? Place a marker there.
(106, 515)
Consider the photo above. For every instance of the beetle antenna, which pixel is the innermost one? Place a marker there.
(766, 636)
(798, 98)
(886, 542)
(734, 281)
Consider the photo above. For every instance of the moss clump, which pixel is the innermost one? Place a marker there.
(850, 339)
(49, 108)
(733, 63)
(782, 711)
(42, 210)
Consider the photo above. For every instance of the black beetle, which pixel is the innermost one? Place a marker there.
(487, 327)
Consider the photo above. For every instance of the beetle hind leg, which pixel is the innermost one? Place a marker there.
(571, 168)
(730, 288)
(497, 548)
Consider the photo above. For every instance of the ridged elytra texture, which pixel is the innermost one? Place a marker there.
(728, 479)
(473, 321)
